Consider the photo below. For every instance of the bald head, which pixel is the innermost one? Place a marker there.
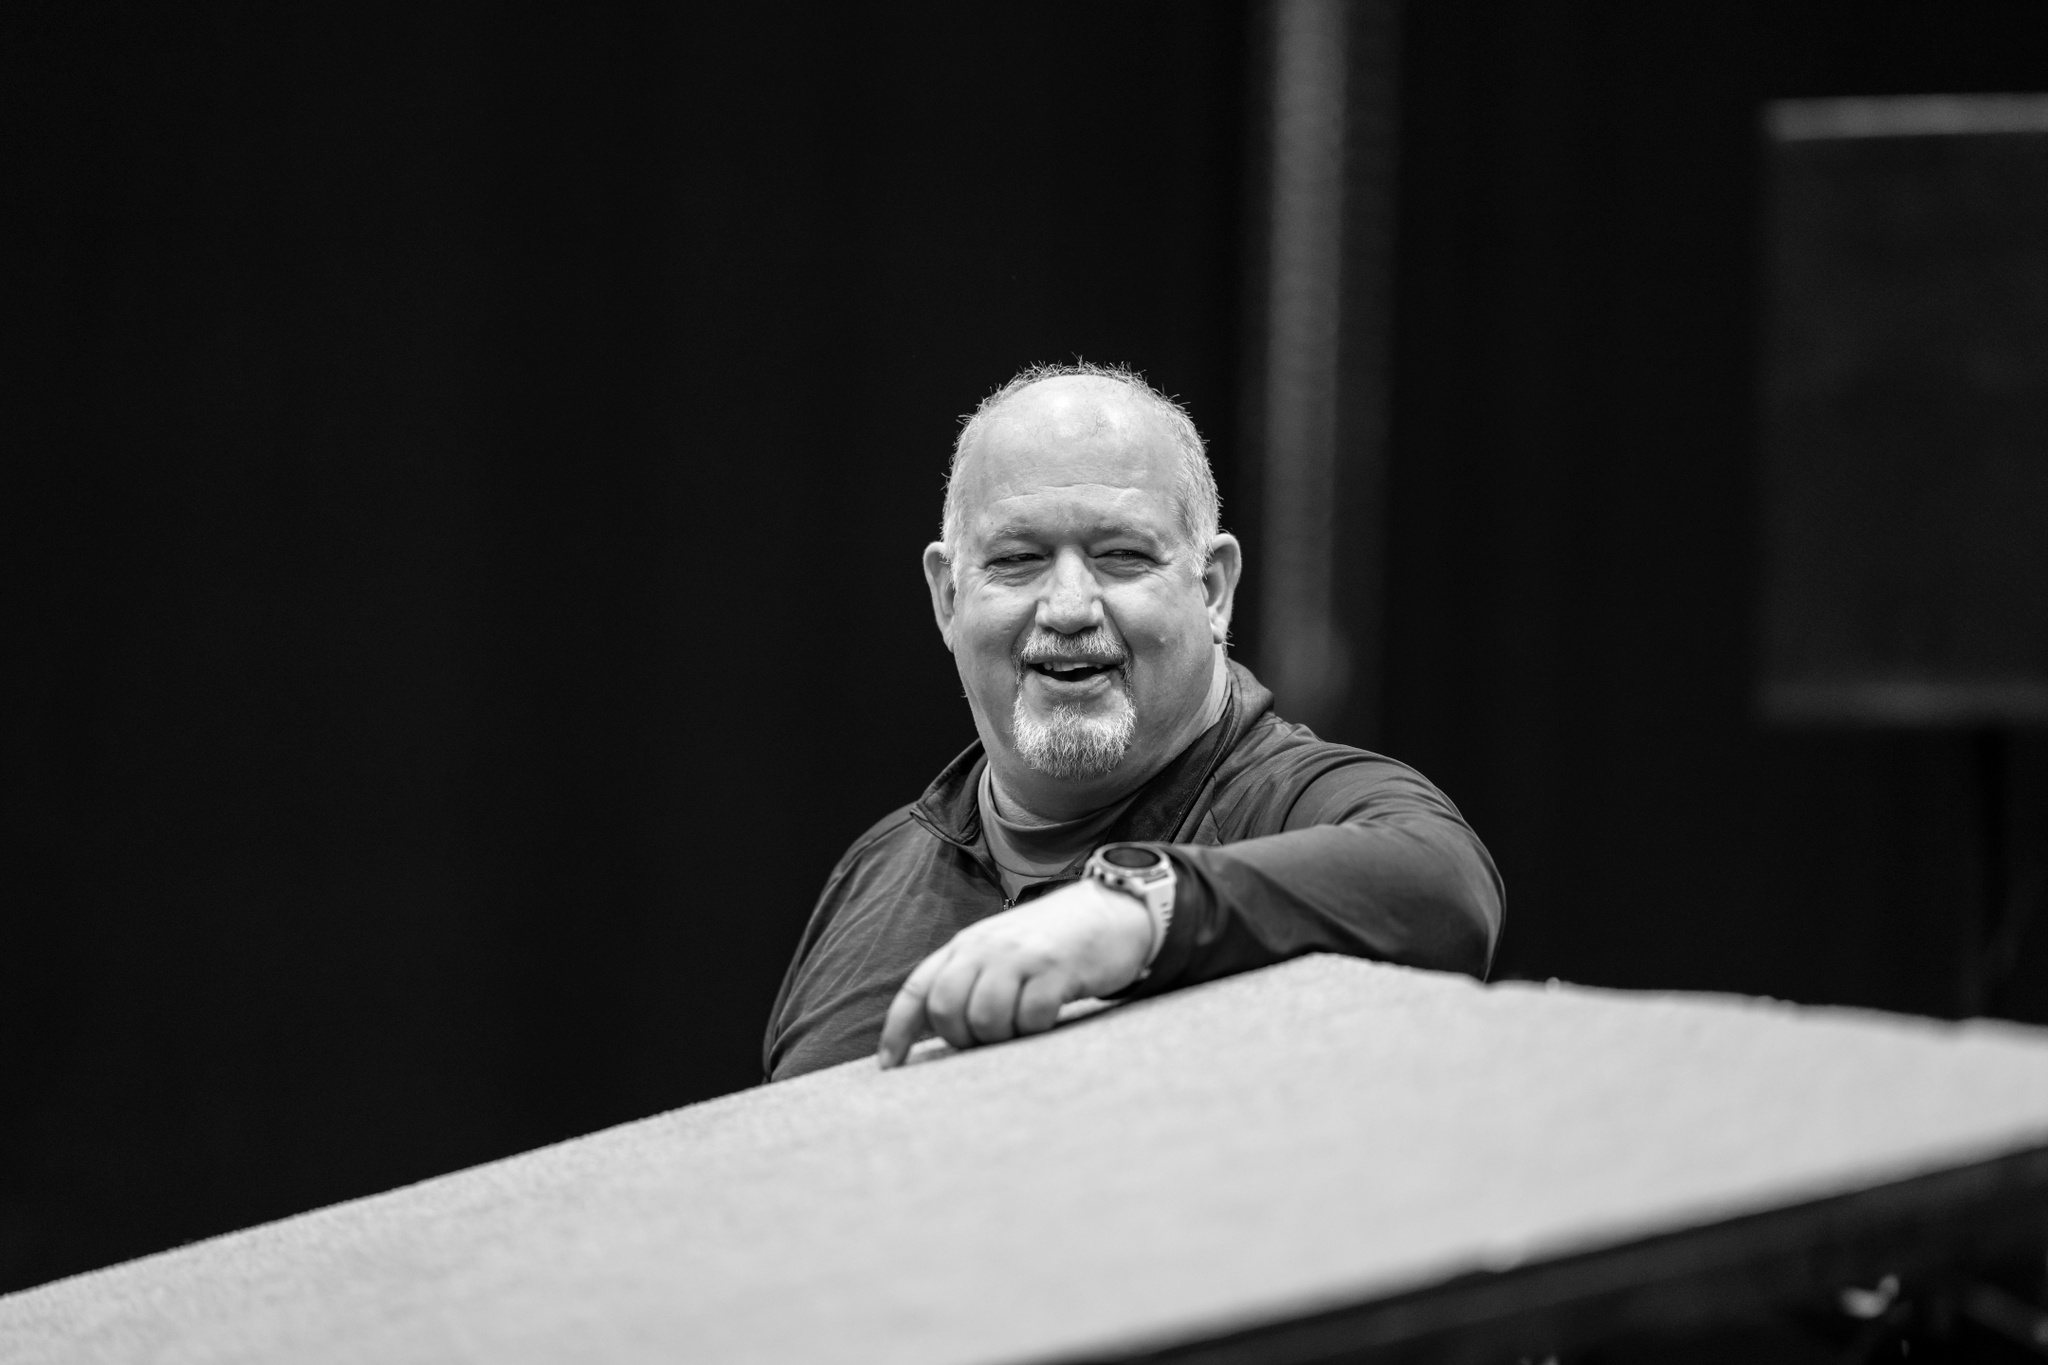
(1084, 408)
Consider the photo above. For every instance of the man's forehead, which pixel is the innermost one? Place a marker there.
(1075, 432)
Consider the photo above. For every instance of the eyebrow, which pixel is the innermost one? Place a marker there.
(1103, 530)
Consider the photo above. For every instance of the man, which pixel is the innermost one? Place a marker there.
(1134, 818)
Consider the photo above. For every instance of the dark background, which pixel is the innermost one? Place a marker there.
(464, 482)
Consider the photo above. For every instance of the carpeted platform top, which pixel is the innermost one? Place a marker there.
(1249, 1150)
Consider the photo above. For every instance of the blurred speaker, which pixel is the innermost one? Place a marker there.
(1905, 411)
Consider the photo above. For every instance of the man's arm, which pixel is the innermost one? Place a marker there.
(1370, 861)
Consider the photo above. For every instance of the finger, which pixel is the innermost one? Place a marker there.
(1038, 1004)
(905, 1022)
(945, 1004)
(992, 1008)
(906, 1019)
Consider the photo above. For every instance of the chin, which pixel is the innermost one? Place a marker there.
(1072, 742)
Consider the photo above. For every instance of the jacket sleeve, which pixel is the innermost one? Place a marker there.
(1370, 861)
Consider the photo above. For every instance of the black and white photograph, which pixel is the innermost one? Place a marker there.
(1205, 682)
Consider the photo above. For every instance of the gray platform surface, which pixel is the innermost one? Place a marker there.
(1259, 1148)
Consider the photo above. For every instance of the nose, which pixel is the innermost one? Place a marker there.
(1072, 599)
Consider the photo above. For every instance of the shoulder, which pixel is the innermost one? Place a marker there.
(1278, 763)
(887, 844)
(892, 828)
(895, 859)
(1274, 750)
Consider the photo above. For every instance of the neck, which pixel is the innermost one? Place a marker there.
(1026, 797)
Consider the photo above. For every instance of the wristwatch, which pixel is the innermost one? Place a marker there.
(1144, 872)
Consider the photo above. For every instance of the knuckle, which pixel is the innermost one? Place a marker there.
(954, 1032)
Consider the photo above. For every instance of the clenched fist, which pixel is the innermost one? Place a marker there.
(1009, 974)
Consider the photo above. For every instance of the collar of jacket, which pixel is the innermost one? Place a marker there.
(949, 810)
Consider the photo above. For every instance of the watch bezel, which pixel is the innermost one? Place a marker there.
(1159, 861)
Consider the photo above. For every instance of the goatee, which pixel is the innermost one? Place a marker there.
(1071, 742)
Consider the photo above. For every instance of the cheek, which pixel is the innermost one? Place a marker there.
(985, 630)
(1168, 633)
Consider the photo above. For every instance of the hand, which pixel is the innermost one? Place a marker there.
(1009, 974)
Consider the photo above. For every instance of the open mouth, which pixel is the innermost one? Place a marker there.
(1069, 670)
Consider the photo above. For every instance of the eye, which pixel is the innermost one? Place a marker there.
(1014, 561)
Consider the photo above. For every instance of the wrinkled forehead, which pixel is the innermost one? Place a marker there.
(1068, 454)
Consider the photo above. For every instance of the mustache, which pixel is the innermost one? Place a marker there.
(1095, 646)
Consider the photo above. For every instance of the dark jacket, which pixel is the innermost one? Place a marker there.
(1284, 844)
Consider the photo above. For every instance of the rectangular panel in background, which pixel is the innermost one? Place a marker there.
(1905, 411)
(1317, 422)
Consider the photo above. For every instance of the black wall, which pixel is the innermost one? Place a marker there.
(466, 479)
(470, 478)
(1572, 639)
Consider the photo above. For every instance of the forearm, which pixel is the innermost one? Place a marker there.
(1415, 889)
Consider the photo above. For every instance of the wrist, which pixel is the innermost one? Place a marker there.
(1146, 877)
(1126, 923)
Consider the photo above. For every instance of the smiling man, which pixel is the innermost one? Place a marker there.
(1134, 817)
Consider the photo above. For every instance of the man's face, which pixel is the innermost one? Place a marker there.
(1084, 624)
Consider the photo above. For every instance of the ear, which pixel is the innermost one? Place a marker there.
(938, 576)
(1219, 584)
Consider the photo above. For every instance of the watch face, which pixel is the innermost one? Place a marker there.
(1131, 856)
